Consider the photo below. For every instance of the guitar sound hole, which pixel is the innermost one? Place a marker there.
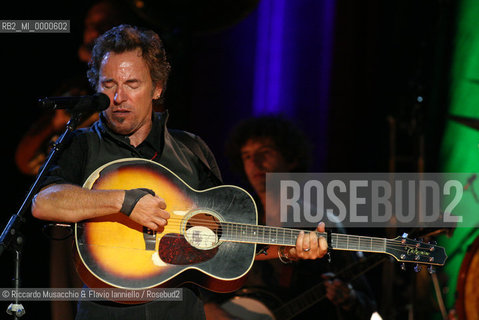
(203, 231)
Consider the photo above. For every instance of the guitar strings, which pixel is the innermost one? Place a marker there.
(349, 240)
(213, 225)
(401, 246)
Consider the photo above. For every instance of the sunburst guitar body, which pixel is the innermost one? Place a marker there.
(114, 251)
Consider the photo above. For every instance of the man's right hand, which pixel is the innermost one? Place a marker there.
(150, 212)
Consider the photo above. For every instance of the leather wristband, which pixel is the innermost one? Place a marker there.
(132, 197)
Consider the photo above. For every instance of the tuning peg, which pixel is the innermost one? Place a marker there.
(404, 238)
(431, 269)
(403, 266)
(419, 241)
(417, 268)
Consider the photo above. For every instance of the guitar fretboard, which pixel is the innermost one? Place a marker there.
(237, 232)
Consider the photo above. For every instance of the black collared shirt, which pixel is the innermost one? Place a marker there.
(93, 147)
(90, 148)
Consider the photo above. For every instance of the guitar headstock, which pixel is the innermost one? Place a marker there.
(413, 251)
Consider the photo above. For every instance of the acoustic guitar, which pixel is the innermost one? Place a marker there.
(210, 238)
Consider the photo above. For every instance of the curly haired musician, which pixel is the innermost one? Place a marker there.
(274, 144)
(130, 66)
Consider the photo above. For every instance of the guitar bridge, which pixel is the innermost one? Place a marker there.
(149, 236)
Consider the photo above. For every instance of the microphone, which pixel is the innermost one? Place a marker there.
(97, 102)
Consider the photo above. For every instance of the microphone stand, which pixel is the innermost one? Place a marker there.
(11, 237)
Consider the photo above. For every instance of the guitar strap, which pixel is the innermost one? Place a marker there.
(193, 145)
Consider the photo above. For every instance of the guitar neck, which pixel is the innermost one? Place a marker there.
(246, 233)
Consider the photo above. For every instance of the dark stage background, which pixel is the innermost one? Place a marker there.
(382, 56)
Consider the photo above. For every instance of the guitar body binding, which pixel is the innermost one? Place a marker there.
(114, 251)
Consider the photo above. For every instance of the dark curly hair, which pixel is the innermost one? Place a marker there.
(124, 38)
(290, 141)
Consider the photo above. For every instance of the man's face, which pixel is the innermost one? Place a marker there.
(126, 79)
(259, 156)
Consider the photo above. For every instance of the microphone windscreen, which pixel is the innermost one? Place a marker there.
(102, 101)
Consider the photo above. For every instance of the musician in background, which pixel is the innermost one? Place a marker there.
(130, 66)
(273, 144)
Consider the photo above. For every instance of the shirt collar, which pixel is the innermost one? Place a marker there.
(155, 138)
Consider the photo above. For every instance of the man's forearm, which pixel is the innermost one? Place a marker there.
(70, 203)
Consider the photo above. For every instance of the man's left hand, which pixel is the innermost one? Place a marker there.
(309, 246)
